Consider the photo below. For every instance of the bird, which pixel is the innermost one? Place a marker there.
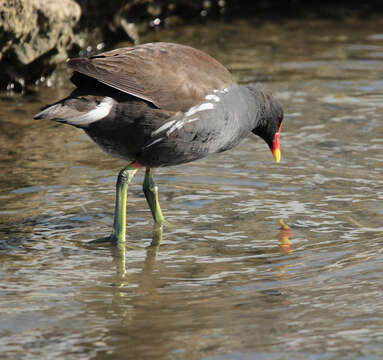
(162, 104)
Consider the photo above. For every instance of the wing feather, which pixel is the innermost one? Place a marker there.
(171, 76)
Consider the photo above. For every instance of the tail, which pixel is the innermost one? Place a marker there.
(79, 111)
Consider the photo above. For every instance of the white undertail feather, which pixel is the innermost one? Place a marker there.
(64, 112)
(98, 113)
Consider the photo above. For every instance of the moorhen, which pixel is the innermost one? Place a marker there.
(162, 104)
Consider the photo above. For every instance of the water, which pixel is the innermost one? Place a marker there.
(227, 282)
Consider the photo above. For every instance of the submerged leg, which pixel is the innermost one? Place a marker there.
(119, 224)
(151, 194)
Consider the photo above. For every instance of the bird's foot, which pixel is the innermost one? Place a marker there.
(166, 223)
(112, 240)
(104, 240)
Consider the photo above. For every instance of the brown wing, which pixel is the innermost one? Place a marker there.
(171, 76)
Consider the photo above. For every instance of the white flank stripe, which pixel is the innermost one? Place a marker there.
(192, 119)
(201, 107)
(153, 142)
(163, 127)
(176, 126)
(179, 124)
(212, 97)
(98, 113)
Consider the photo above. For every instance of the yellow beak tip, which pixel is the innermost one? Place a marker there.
(277, 155)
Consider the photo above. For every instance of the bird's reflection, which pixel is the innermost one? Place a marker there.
(284, 238)
(119, 257)
(119, 254)
(119, 250)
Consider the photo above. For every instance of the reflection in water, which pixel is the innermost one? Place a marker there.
(159, 293)
(225, 283)
(119, 257)
(284, 237)
(119, 253)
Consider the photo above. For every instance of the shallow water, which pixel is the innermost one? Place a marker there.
(227, 282)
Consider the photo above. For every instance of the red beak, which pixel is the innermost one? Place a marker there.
(275, 148)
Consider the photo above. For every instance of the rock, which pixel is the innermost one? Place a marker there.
(34, 35)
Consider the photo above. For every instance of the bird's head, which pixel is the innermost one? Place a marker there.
(269, 124)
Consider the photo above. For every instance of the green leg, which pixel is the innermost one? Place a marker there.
(151, 194)
(119, 225)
